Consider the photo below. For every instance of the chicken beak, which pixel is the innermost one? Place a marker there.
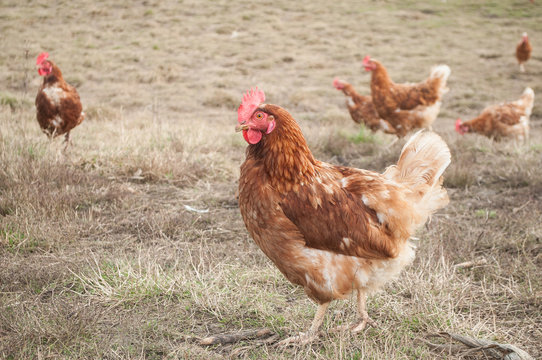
(241, 127)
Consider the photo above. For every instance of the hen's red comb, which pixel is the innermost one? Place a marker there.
(366, 60)
(338, 84)
(458, 126)
(41, 58)
(251, 100)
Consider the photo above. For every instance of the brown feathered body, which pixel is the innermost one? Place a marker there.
(363, 111)
(334, 229)
(408, 106)
(523, 51)
(58, 106)
(504, 120)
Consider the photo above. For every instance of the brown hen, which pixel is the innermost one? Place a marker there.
(331, 229)
(58, 106)
(407, 106)
(523, 51)
(502, 120)
(362, 109)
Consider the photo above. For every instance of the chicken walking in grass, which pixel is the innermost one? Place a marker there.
(523, 51)
(333, 230)
(407, 106)
(502, 120)
(362, 109)
(58, 106)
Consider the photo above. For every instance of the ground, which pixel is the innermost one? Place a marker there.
(101, 258)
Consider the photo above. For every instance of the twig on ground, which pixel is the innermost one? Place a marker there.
(235, 337)
(469, 264)
(451, 349)
(515, 210)
(490, 348)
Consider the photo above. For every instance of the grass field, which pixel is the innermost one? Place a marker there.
(100, 258)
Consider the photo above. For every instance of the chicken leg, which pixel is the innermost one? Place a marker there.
(362, 312)
(363, 315)
(312, 334)
(67, 141)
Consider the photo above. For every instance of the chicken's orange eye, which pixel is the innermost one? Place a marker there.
(259, 115)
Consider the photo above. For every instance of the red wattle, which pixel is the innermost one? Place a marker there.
(254, 136)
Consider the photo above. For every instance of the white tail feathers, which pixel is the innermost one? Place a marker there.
(529, 92)
(423, 159)
(528, 97)
(526, 102)
(441, 72)
(420, 167)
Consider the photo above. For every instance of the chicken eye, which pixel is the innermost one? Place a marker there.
(259, 115)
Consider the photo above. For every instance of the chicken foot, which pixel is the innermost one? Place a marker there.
(312, 334)
(363, 315)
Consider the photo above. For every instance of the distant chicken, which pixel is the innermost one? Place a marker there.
(362, 109)
(407, 106)
(523, 51)
(58, 107)
(503, 120)
(333, 230)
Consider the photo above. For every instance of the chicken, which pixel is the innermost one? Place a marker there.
(58, 107)
(523, 51)
(362, 110)
(503, 120)
(407, 106)
(332, 229)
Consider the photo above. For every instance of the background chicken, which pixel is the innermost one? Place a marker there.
(58, 107)
(503, 120)
(362, 109)
(523, 51)
(407, 106)
(333, 229)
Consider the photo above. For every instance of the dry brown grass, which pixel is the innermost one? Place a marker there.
(99, 257)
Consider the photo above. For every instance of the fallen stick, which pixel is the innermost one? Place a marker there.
(469, 264)
(235, 337)
(447, 348)
(515, 210)
(491, 348)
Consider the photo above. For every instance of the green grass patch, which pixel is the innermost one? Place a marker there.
(364, 136)
(16, 241)
(485, 213)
